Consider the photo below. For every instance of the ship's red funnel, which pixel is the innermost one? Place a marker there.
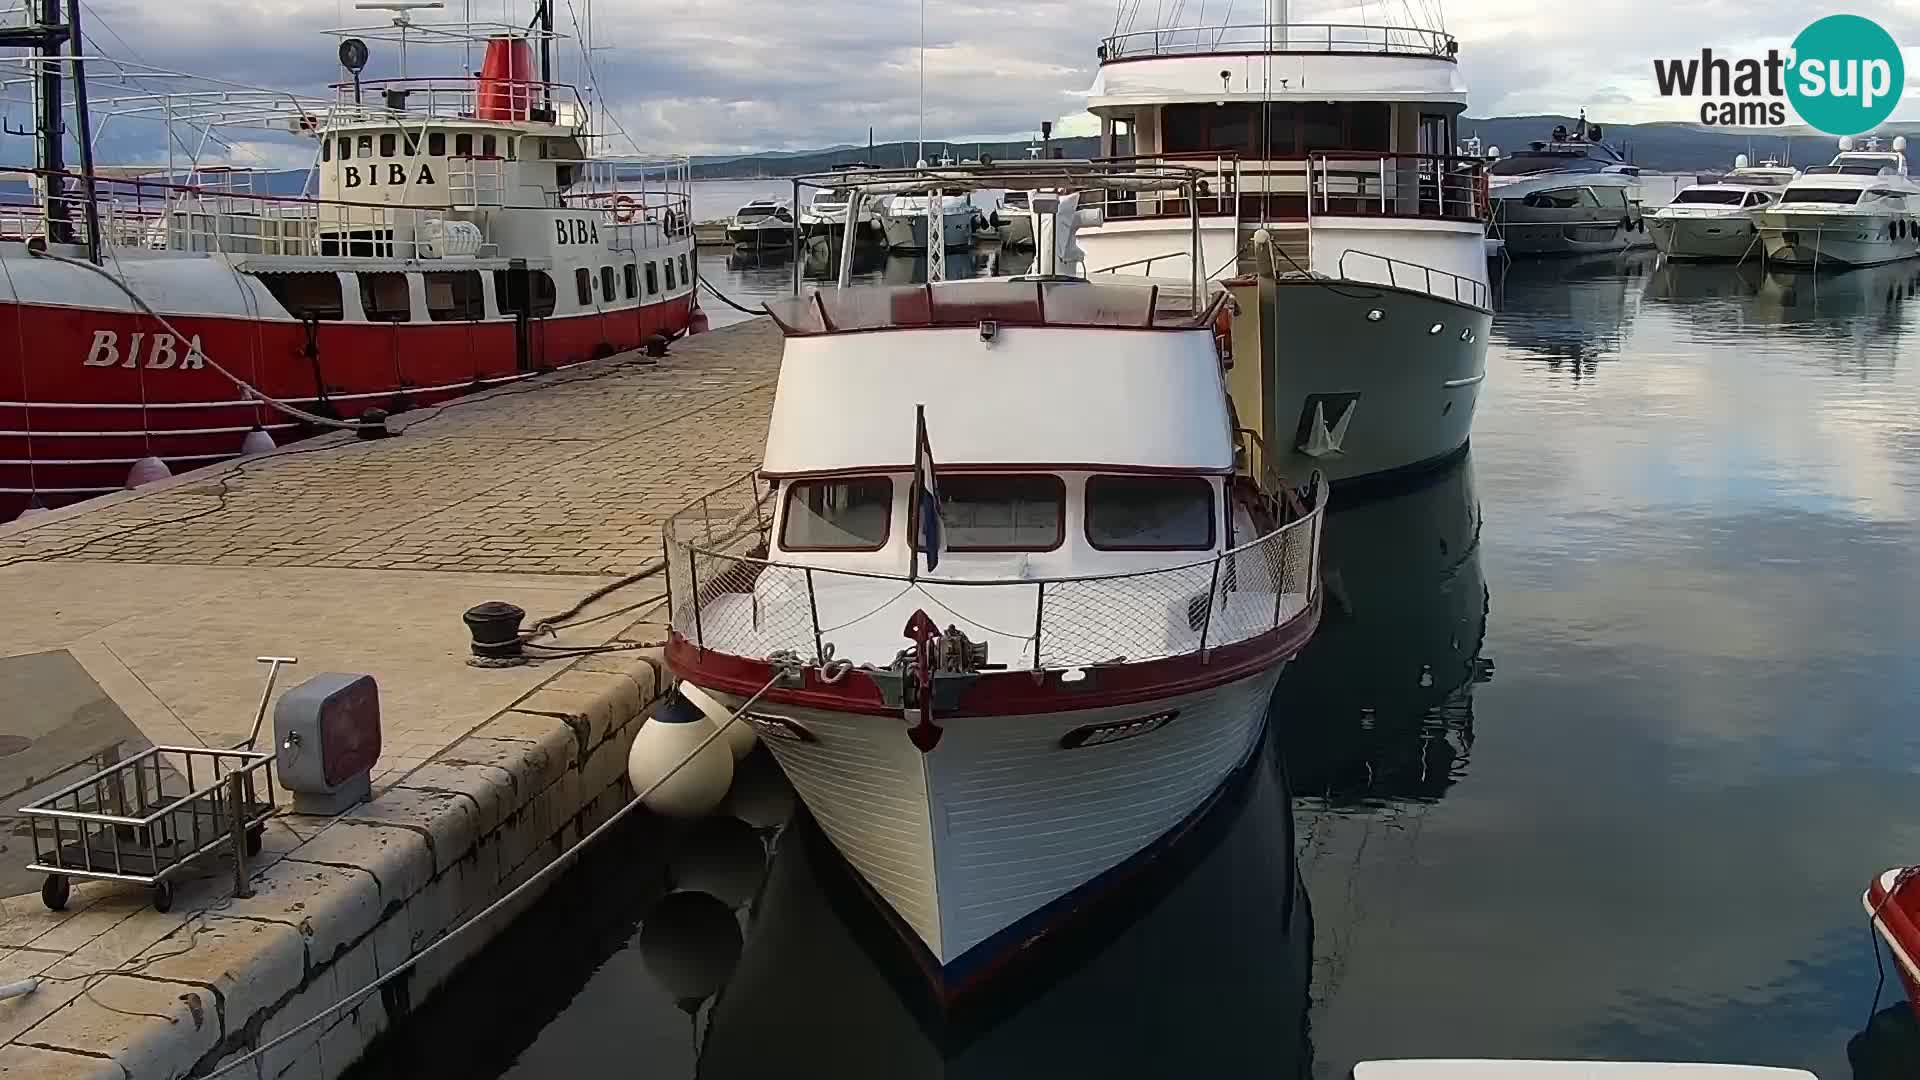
(506, 80)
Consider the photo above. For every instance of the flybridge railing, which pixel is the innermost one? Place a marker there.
(725, 597)
(1361, 184)
(1263, 37)
(457, 98)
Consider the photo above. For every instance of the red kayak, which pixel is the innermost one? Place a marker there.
(1893, 903)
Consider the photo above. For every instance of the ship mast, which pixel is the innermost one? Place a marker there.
(46, 35)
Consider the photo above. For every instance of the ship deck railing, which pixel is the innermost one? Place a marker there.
(1337, 39)
(457, 98)
(726, 595)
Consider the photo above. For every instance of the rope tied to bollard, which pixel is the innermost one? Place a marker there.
(563, 860)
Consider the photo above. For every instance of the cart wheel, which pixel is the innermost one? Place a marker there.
(162, 895)
(53, 892)
(253, 840)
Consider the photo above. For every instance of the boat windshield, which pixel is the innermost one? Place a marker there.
(751, 213)
(1708, 195)
(1849, 170)
(1521, 164)
(1827, 196)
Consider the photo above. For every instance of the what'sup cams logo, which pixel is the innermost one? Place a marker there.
(1843, 76)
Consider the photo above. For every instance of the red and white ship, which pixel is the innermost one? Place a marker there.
(458, 233)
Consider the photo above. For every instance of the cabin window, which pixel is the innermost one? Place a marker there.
(1832, 196)
(384, 296)
(684, 276)
(307, 295)
(1370, 127)
(1150, 513)
(543, 296)
(1613, 198)
(437, 144)
(463, 145)
(387, 144)
(412, 139)
(1321, 127)
(1193, 128)
(488, 147)
(326, 149)
(346, 148)
(583, 286)
(454, 295)
(669, 262)
(1003, 513)
(606, 283)
(653, 279)
(510, 141)
(1758, 198)
(366, 146)
(631, 273)
(841, 514)
(1283, 130)
(1721, 198)
(1561, 198)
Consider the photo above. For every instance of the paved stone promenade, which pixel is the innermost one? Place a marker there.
(134, 620)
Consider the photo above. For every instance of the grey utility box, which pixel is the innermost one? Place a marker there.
(327, 730)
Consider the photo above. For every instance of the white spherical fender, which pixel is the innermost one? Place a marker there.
(672, 736)
(737, 734)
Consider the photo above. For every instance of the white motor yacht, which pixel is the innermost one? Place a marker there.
(905, 220)
(1859, 210)
(1571, 194)
(762, 223)
(1716, 220)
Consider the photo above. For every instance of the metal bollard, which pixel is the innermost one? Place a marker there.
(236, 805)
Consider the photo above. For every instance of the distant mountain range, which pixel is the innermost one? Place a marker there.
(1663, 147)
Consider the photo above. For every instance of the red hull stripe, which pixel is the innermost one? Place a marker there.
(1008, 693)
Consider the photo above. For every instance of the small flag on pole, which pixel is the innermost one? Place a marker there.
(929, 534)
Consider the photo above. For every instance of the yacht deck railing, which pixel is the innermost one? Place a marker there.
(1263, 37)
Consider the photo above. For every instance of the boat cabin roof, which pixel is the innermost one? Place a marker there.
(1040, 301)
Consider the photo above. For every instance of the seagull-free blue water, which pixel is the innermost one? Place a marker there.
(1604, 732)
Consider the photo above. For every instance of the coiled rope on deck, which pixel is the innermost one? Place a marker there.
(246, 388)
(563, 860)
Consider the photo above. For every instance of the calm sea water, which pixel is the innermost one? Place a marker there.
(1604, 733)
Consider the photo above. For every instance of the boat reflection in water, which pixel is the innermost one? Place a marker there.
(1197, 969)
(1570, 313)
(1387, 683)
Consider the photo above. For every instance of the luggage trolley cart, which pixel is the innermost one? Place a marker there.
(145, 818)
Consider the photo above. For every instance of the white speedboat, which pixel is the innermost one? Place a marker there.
(1571, 194)
(905, 220)
(826, 215)
(1366, 235)
(1715, 220)
(1859, 210)
(1005, 647)
(762, 223)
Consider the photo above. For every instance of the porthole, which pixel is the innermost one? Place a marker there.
(1435, 328)
(1466, 334)
(1376, 315)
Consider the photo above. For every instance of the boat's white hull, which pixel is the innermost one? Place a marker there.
(908, 232)
(1723, 236)
(1800, 238)
(1016, 229)
(999, 823)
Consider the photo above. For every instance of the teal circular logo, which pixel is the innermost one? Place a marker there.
(1846, 74)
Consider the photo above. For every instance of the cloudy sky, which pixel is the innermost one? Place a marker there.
(712, 76)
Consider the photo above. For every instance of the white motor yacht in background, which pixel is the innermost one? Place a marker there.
(1715, 220)
(1859, 210)
(1328, 176)
(1012, 219)
(1006, 649)
(1568, 195)
(905, 220)
(762, 223)
(825, 215)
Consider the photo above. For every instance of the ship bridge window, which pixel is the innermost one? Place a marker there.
(437, 144)
(412, 141)
(541, 301)
(840, 514)
(366, 146)
(1828, 196)
(1192, 128)
(346, 147)
(1003, 513)
(384, 296)
(463, 144)
(326, 149)
(1720, 198)
(454, 295)
(1150, 513)
(387, 144)
(307, 295)
(488, 146)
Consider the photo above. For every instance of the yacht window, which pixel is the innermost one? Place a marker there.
(437, 144)
(1203, 126)
(1758, 198)
(306, 295)
(1719, 198)
(1612, 197)
(1150, 513)
(653, 279)
(606, 283)
(1832, 196)
(1003, 513)
(1370, 126)
(751, 212)
(539, 283)
(1561, 198)
(1015, 200)
(463, 145)
(384, 296)
(454, 295)
(631, 273)
(387, 143)
(1320, 126)
(843, 514)
(583, 285)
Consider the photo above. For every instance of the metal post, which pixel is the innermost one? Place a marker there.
(1039, 611)
(236, 805)
(85, 134)
(1193, 222)
(849, 240)
(937, 236)
(1383, 185)
(798, 270)
(693, 575)
(813, 608)
(1206, 622)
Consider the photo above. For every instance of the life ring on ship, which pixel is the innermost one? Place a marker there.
(623, 208)
(671, 221)
(1223, 335)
